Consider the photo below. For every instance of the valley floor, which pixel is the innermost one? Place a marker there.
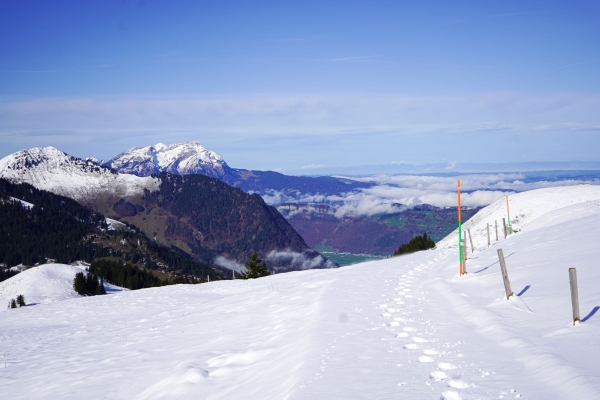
(400, 328)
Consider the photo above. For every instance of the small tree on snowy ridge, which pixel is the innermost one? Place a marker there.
(256, 268)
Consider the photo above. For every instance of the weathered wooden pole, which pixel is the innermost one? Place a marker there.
(504, 224)
(488, 232)
(574, 295)
(233, 273)
(471, 240)
(208, 278)
(496, 223)
(504, 274)
(508, 214)
(464, 244)
(460, 246)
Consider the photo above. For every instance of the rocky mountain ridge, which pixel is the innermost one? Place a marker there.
(190, 158)
(178, 159)
(83, 180)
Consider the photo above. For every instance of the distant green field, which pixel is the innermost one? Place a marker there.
(345, 258)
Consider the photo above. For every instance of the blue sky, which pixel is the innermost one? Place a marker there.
(286, 85)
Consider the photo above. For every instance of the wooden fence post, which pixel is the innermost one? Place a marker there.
(208, 278)
(496, 223)
(233, 273)
(574, 294)
(504, 274)
(471, 240)
(488, 232)
(464, 245)
(504, 224)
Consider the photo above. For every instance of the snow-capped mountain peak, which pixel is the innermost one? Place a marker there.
(178, 158)
(51, 169)
(17, 164)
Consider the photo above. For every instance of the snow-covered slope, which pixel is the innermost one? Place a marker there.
(525, 208)
(53, 170)
(179, 158)
(402, 328)
(44, 284)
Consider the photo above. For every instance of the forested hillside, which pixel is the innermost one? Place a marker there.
(52, 228)
(49, 226)
(209, 213)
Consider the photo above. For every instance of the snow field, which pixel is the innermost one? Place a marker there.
(405, 328)
(46, 283)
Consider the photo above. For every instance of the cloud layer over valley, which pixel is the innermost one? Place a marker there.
(395, 193)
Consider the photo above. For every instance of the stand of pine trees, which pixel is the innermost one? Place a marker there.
(59, 228)
(417, 243)
(54, 227)
(6, 273)
(130, 277)
(18, 302)
(88, 285)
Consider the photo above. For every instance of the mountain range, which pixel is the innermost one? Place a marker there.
(298, 199)
(192, 158)
(201, 215)
(123, 188)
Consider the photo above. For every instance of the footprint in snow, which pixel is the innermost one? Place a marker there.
(446, 366)
(458, 384)
(409, 329)
(425, 359)
(419, 340)
(431, 352)
(450, 395)
(402, 334)
(438, 375)
(411, 346)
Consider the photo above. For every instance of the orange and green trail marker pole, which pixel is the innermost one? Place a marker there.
(508, 212)
(460, 247)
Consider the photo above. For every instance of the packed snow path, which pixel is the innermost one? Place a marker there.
(401, 328)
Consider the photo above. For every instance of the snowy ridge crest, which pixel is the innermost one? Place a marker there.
(179, 159)
(55, 171)
(527, 209)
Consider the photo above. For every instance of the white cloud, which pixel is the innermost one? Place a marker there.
(287, 128)
(313, 166)
(395, 193)
(303, 114)
(230, 264)
(298, 261)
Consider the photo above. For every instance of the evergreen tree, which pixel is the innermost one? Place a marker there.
(100, 288)
(21, 300)
(91, 283)
(13, 303)
(79, 283)
(256, 268)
